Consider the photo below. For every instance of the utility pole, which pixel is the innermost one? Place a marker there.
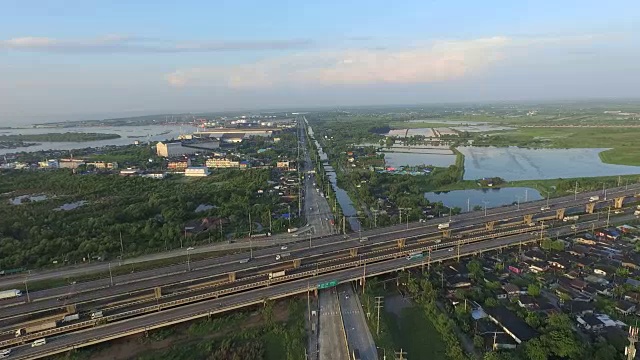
(379, 305)
(110, 275)
(400, 355)
(250, 222)
(270, 225)
(575, 192)
(468, 204)
(121, 247)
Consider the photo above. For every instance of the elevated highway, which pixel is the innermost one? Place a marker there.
(211, 304)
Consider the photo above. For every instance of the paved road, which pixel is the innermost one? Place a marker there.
(355, 323)
(204, 308)
(332, 341)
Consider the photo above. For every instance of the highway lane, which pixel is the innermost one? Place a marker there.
(493, 214)
(184, 313)
(358, 334)
(331, 342)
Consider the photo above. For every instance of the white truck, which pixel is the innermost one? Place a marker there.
(571, 218)
(277, 274)
(96, 315)
(9, 294)
(443, 226)
(71, 317)
(282, 256)
(594, 198)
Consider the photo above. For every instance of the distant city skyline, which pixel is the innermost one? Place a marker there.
(73, 59)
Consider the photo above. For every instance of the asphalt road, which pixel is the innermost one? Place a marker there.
(331, 341)
(256, 296)
(355, 323)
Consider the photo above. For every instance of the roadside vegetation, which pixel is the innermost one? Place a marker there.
(276, 331)
(149, 214)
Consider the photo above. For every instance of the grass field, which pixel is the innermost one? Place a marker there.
(416, 335)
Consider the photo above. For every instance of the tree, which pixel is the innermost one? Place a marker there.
(475, 269)
(535, 350)
(533, 290)
(478, 342)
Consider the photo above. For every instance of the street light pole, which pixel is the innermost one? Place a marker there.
(188, 261)
(110, 274)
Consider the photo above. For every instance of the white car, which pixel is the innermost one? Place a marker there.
(5, 352)
(283, 247)
(450, 249)
(190, 248)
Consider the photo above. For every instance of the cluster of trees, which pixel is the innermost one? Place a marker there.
(149, 214)
(59, 137)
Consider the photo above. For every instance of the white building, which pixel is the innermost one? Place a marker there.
(196, 171)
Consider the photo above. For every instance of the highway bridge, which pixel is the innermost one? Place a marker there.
(143, 301)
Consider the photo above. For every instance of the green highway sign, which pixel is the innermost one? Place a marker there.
(328, 284)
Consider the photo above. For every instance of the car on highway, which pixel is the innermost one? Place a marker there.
(619, 211)
(190, 248)
(5, 352)
(544, 208)
(283, 247)
(38, 342)
(450, 249)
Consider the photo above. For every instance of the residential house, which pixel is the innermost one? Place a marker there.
(527, 302)
(590, 322)
(517, 328)
(625, 307)
(511, 289)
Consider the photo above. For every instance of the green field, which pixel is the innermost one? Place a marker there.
(416, 335)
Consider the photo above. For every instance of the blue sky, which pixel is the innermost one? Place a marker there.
(97, 57)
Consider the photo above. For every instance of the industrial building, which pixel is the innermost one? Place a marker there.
(179, 148)
(196, 171)
(222, 163)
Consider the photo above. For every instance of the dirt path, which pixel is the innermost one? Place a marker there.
(133, 346)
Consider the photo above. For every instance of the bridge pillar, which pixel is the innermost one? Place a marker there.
(296, 263)
(560, 214)
(157, 291)
(446, 233)
(315, 292)
(489, 225)
(528, 219)
(617, 202)
(232, 276)
(401, 242)
(353, 252)
(71, 309)
(589, 208)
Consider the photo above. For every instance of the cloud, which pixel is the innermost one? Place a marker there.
(131, 44)
(439, 61)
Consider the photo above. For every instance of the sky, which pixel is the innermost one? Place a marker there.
(73, 59)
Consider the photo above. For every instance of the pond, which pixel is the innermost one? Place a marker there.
(204, 207)
(31, 198)
(71, 206)
(513, 163)
(467, 199)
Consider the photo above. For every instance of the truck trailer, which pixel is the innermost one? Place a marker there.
(443, 226)
(36, 328)
(9, 294)
(277, 274)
